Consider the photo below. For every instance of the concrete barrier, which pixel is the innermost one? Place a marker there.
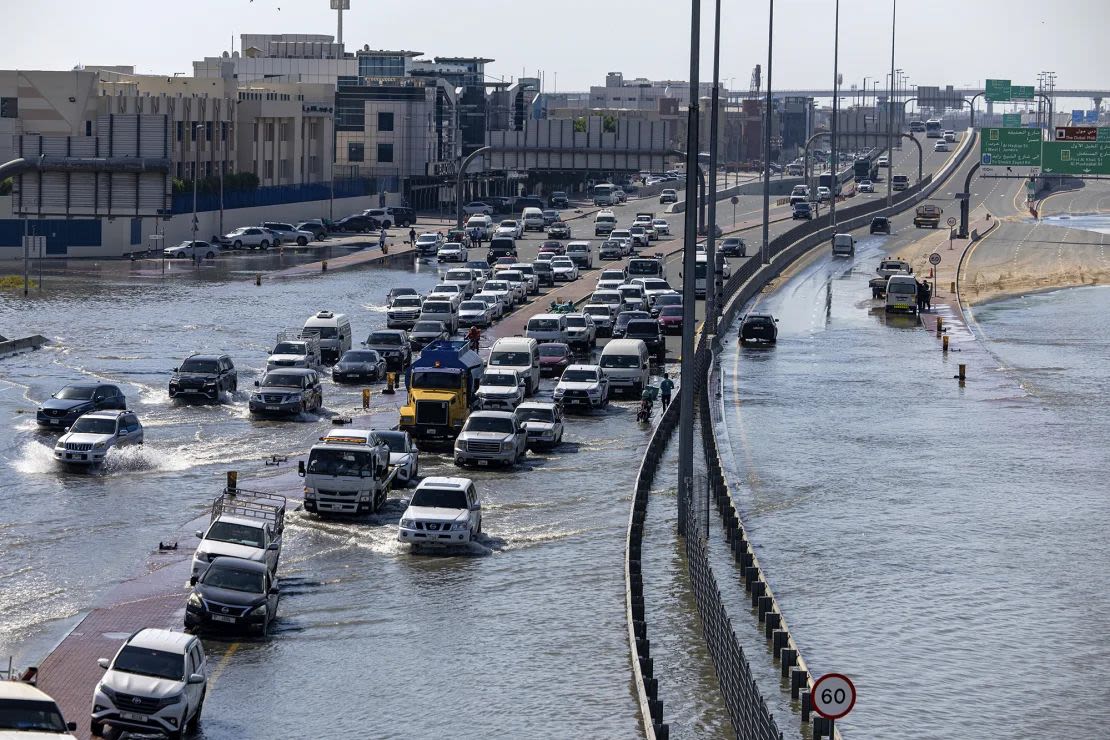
(10, 347)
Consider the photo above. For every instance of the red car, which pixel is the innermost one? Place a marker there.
(670, 319)
(555, 357)
(551, 245)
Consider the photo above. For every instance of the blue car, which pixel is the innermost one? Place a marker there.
(63, 408)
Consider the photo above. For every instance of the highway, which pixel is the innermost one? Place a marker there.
(892, 507)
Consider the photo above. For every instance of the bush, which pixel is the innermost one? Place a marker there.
(233, 181)
(6, 186)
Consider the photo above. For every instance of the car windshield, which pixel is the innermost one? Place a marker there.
(553, 350)
(436, 307)
(671, 311)
(508, 224)
(627, 316)
(595, 311)
(385, 338)
(463, 275)
(620, 361)
(643, 267)
(449, 288)
(281, 380)
(580, 376)
(510, 359)
(360, 355)
(435, 380)
(558, 225)
(576, 321)
(234, 579)
(86, 425)
(472, 306)
(324, 332)
(193, 365)
(438, 498)
(500, 379)
(30, 716)
(332, 461)
(656, 285)
(545, 415)
(497, 285)
(76, 393)
(562, 262)
(396, 441)
(642, 326)
(150, 662)
(543, 324)
(427, 326)
(289, 348)
(669, 299)
(236, 534)
(612, 275)
(629, 292)
(494, 424)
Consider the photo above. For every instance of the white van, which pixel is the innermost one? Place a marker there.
(844, 245)
(547, 327)
(334, 330)
(625, 364)
(582, 254)
(532, 219)
(901, 293)
(481, 222)
(605, 195)
(604, 223)
(521, 354)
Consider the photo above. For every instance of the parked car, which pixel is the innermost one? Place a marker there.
(357, 224)
(491, 437)
(477, 207)
(191, 250)
(251, 237)
(357, 365)
(392, 216)
(759, 328)
(287, 392)
(555, 357)
(442, 511)
(63, 408)
(204, 377)
(318, 229)
(156, 683)
(87, 442)
(288, 233)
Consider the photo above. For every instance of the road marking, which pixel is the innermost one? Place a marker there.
(219, 669)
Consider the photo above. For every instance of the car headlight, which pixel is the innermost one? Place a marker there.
(209, 382)
(408, 524)
(256, 396)
(461, 526)
(506, 446)
(259, 611)
(169, 701)
(294, 397)
(98, 446)
(107, 691)
(194, 600)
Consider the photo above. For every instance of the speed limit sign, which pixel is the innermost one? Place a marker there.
(833, 695)
(951, 220)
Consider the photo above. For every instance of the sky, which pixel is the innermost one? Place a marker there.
(573, 43)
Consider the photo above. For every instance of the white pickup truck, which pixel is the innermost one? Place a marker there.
(885, 269)
(243, 524)
(347, 472)
(295, 348)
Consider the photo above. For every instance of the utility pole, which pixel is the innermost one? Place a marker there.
(890, 114)
(689, 252)
(711, 240)
(834, 158)
(767, 136)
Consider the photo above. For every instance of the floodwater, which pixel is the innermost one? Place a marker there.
(523, 634)
(943, 545)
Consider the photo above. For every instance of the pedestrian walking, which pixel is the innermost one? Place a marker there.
(412, 236)
(665, 388)
(928, 295)
(920, 296)
(381, 239)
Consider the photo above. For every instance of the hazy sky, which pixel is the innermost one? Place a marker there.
(576, 42)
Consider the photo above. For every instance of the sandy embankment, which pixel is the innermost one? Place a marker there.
(1023, 256)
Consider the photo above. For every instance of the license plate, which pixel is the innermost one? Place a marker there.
(130, 717)
(55, 421)
(222, 618)
(271, 408)
(483, 462)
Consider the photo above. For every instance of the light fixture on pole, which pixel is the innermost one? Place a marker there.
(712, 271)
(196, 176)
(890, 113)
(834, 150)
(764, 256)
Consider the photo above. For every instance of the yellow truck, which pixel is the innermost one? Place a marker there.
(443, 389)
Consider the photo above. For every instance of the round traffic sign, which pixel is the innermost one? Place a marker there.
(734, 200)
(951, 220)
(833, 695)
(934, 258)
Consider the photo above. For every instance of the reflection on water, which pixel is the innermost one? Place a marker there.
(935, 541)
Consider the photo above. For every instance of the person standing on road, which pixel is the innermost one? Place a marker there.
(920, 296)
(381, 239)
(412, 236)
(928, 295)
(665, 388)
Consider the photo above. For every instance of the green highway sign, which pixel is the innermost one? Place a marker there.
(1076, 158)
(1021, 92)
(997, 90)
(1011, 120)
(1104, 133)
(1017, 147)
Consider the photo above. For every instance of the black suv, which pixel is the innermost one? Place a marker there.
(392, 345)
(759, 327)
(357, 223)
(544, 274)
(649, 332)
(880, 225)
(733, 246)
(204, 377)
(235, 595)
(63, 408)
(559, 199)
(402, 216)
(501, 247)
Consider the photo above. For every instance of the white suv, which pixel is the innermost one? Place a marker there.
(251, 237)
(491, 436)
(442, 511)
(583, 385)
(87, 442)
(26, 712)
(289, 233)
(155, 683)
(501, 388)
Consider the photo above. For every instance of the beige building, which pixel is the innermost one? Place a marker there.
(286, 131)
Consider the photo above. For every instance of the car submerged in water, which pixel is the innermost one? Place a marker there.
(759, 328)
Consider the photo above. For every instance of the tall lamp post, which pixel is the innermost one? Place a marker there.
(834, 154)
(196, 176)
(767, 135)
(890, 113)
(711, 238)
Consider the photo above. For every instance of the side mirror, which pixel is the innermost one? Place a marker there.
(71, 726)
(196, 678)
(200, 534)
(273, 546)
(175, 369)
(275, 590)
(193, 581)
(256, 385)
(103, 662)
(300, 468)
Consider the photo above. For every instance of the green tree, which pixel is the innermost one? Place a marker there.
(580, 125)
(6, 186)
(609, 124)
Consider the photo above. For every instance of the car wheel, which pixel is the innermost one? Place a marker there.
(238, 244)
(192, 724)
(301, 241)
(210, 256)
(386, 224)
(264, 245)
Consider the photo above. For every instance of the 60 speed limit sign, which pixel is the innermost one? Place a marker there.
(833, 695)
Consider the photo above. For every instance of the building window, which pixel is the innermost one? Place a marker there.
(88, 128)
(9, 107)
(284, 131)
(269, 132)
(286, 168)
(208, 131)
(350, 114)
(374, 66)
(385, 153)
(268, 170)
(385, 121)
(180, 130)
(356, 152)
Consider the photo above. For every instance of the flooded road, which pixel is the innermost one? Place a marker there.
(943, 545)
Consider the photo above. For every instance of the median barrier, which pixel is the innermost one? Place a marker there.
(24, 344)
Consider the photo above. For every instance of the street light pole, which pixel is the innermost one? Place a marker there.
(689, 252)
(196, 175)
(834, 158)
(767, 136)
(890, 113)
(711, 238)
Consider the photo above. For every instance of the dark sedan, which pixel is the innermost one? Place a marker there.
(357, 365)
(358, 224)
(759, 328)
(649, 332)
(558, 230)
(235, 595)
(733, 246)
(63, 408)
